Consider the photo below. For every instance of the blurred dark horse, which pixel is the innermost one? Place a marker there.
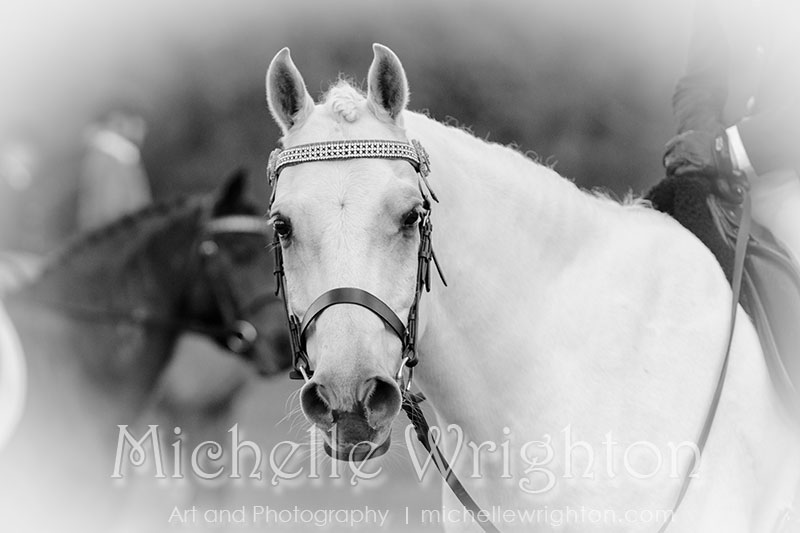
(98, 328)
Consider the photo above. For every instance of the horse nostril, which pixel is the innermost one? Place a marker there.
(382, 401)
(315, 402)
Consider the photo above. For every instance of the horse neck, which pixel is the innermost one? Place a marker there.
(506, 228)
(76, 317)
(503, 197)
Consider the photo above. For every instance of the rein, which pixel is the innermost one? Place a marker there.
(740, 253)
(415, 154)
(239, 333)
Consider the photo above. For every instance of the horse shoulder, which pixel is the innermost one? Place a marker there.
(670, 257)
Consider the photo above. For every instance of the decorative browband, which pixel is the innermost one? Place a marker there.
(412, 152)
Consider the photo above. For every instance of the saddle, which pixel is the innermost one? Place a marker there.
(770, 288)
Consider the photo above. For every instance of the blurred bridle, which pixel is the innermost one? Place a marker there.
(238, 332)
(416, 155)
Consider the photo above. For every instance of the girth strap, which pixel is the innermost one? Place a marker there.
(352, 295)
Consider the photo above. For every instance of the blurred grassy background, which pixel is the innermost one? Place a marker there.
(582, 83)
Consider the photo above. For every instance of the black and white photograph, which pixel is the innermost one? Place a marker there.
(405, 266)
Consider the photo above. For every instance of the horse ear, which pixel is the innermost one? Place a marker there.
(288, 99)
(232, 192)
(387, 88)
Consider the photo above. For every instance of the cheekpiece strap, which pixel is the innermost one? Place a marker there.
(413, 152)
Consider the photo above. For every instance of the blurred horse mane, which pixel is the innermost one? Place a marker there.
(158, 213)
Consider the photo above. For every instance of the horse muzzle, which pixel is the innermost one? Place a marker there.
(352, 438)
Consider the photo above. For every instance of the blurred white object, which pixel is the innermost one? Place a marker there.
(18, 268)
(776, 206)
(13, 378)
(16, 165)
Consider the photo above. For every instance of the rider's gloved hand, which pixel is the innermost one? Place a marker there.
(706, 154)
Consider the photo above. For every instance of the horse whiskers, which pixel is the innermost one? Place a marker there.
(294, 417)
(292, 411)
(305, 450)
(393, 458)
(299, 424)
(288, 404)
(319, 453)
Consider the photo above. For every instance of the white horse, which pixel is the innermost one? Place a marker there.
(577, 346)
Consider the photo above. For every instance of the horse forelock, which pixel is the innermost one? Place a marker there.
(344, 101)
(343, 112)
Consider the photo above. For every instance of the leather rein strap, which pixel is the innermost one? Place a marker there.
(740, 252)
(411, 406)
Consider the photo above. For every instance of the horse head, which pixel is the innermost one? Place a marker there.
(231, 295)
(350, 223)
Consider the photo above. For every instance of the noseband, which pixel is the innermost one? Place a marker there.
(416, 155)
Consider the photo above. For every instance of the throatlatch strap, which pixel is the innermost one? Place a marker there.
(417, 417)
(742, 238)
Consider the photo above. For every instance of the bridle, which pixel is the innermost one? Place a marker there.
(416, 155)
(214, 269)
(239, 332)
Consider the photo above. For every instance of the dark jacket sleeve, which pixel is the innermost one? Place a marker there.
(700, 96)
(771, 136)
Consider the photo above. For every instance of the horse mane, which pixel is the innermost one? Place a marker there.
(343, 99)
(121, 226)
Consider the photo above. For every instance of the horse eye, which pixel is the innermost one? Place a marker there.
(282, 227)
(411, 218)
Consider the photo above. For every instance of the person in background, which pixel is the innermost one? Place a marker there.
(113, 181)
(20, 162)
(738, 108)
(19, 165)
